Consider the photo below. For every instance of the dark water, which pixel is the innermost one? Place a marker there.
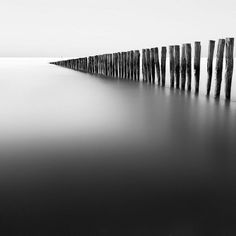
(87, 156)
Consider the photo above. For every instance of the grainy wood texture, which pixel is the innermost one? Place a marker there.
(219, 66)
(163, 66)
(157, 64)
(172, 66)
(189, 65)
(183, 67)
(229, 60)
(197, 63)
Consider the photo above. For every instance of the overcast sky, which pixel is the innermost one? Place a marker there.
(54, 28)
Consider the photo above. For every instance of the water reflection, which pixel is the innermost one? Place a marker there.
(91, 156)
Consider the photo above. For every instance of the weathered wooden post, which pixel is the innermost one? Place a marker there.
(183, 67)
(138, 65)
(143, 64)
(149, 65)
(189, 65)
(163, 66)
(134, 65)
(129, 65)
(197, 61)
(157, 64)
(124, 65)
(219, 66)
(153, 65)
(229, 66)
(211, 48)
(172, 66)
(177, 65)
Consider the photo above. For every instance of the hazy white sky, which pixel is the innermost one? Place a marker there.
(81, 28)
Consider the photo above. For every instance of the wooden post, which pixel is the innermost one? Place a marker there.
(172, 66)
(163, 66)
(157, 64)
(183, 67)
(219, 66)
(149, 65)
(153, 65)
(138, 65)
(132, 65)
(144, 64)
(211, 48)
(197, 62)
(189, 65)
(177, 65)
(229, 60)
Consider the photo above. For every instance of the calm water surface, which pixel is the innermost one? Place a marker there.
(82, 155)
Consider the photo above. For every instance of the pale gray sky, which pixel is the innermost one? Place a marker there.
(55, 28)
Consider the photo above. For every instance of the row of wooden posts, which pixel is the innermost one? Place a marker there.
(126, 65)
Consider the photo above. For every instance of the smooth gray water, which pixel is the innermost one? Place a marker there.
(82, 155)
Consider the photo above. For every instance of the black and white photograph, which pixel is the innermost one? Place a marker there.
(117, 117)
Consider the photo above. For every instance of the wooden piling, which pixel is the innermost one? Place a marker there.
(189, 65)
(177, 65)
(172, 66)
(229, 65)
(211, 48)
(163, 66)
(152, 61)
(183, 67)
(148, 65)
(137, 65)
(144, 64)
(197, 62)
(219, 66)
(157, 65)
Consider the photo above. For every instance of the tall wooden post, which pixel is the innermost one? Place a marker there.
(157, 64)
(211, 48)
(197, 61)
(163, 66)
(189, 65)
(229, 60)
(172, 66)
(152, 61)
(219, 66)
(144, 64)
(148, 65)
(183, 67)
(138, 65)
(177, 65)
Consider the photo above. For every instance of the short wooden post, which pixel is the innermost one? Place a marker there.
(219, 66)
(157, 65)
(163, 66)
(197, 61)
(183, 67)
(172, 66)
(189, 65)
(229, 66)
